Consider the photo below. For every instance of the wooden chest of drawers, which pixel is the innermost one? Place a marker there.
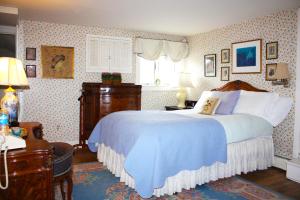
(98, 100)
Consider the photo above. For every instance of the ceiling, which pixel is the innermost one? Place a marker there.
(179, 17)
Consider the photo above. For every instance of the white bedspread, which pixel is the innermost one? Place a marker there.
(238, 127)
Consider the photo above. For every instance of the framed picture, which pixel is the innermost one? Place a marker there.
(272, 50)
(270, 71)
(225, 56)
(210, 65)
(225, 73)
(246, 57)
(30, 53)
(30, 71)
(57, 62)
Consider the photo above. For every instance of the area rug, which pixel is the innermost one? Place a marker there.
(92, 181)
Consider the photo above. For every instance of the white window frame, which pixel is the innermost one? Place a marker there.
(151, 87)
(112, 58)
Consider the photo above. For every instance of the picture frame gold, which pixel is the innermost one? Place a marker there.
(270, 71)
(210, 65)
(225, 56)
(57, 62)
(225, 71)
(271, 50)
(247, 57)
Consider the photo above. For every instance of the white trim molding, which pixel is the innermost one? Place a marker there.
(296, 144)
(279, 162)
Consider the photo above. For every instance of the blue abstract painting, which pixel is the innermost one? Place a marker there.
(246, 57)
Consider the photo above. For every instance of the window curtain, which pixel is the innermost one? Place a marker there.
(152, 49)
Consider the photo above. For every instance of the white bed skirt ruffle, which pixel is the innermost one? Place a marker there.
(245, 156)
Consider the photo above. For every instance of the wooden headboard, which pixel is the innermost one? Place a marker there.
(238, 85)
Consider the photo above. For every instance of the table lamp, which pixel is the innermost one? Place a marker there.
(281, 75)
(11, 74)
(184, 82)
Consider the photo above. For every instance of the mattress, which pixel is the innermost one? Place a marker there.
(244, 156)
(238, 127)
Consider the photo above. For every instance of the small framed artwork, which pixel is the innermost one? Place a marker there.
(210, 65)
(30, 53)
(270, 71)
(30, 71)
(225, 56)
(225, 73)
(57, 62)
(246, 57)
(272, 50)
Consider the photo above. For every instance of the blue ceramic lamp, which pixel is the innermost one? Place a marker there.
(11, 74)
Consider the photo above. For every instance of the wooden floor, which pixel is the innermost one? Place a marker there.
(272, 178)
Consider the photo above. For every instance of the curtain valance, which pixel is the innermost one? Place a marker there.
(152, 49)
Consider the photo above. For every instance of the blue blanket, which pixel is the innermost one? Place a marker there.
(158, 144)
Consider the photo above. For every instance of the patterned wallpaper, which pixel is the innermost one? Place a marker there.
(281, 27)
(53, 102)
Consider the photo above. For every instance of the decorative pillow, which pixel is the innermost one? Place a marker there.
(255, 103)
(201, 101)
(228, 101)
(210, 105)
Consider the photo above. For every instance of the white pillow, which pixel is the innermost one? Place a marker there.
(204, 96)
(255, 103)
(280, 109)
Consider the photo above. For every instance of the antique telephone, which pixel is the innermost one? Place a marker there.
(7, 142)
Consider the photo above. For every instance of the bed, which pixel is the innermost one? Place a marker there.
(128, 157)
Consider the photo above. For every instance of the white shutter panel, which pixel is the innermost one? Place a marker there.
(121, 56)
(104, 55)
(108, 54)
(97, 54)
(92, 52)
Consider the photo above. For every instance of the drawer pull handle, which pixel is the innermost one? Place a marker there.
(104, 90)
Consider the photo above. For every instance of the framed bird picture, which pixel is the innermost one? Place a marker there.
(57, 62)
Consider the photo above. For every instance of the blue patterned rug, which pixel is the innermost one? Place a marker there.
(92, 181)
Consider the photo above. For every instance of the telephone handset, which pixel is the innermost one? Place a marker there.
(6, 143)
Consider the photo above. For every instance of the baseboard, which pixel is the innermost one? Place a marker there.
(280, 162)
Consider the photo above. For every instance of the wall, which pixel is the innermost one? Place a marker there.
(296, 146)
(53, 102)
(281, 27)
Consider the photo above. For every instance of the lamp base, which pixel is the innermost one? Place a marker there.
(181, 97)
(10, 103)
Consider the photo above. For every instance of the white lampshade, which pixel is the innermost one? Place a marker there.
(282, 71)
(12, 72)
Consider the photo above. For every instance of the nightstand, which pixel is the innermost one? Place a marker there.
(189, 104)
(176, 108)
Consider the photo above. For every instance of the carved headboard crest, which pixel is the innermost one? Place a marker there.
(238, 85)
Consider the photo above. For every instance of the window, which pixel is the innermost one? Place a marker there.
(108, 54)
(159, 73)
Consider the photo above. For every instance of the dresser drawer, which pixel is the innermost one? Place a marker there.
(123, 102)
(24, 165)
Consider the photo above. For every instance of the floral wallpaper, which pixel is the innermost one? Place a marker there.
(53, 102)
(281, 27)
